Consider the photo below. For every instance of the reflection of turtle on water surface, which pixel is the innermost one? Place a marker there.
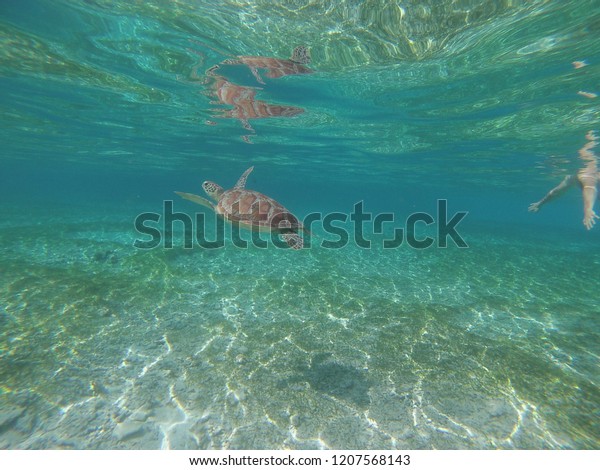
(251, 210)
(276, 68)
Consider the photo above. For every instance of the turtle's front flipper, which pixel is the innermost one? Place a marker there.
(259, 79)
(294, 240)
(197, 199)
(242, 181)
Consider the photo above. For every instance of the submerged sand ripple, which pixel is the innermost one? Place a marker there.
(261, 349)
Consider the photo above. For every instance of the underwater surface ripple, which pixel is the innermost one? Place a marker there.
(107, 110)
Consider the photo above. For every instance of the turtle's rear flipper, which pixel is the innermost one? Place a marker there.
(197, 199)
(294, 240)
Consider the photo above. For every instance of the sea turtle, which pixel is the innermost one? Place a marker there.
(251, 210)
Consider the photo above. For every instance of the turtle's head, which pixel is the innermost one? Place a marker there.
(212, 189)
(301, 55)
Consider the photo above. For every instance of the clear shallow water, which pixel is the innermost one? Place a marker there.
(107, 346)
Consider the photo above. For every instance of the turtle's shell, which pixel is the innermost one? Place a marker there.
(256, 211)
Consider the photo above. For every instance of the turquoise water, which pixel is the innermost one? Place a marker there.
(106, 111)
